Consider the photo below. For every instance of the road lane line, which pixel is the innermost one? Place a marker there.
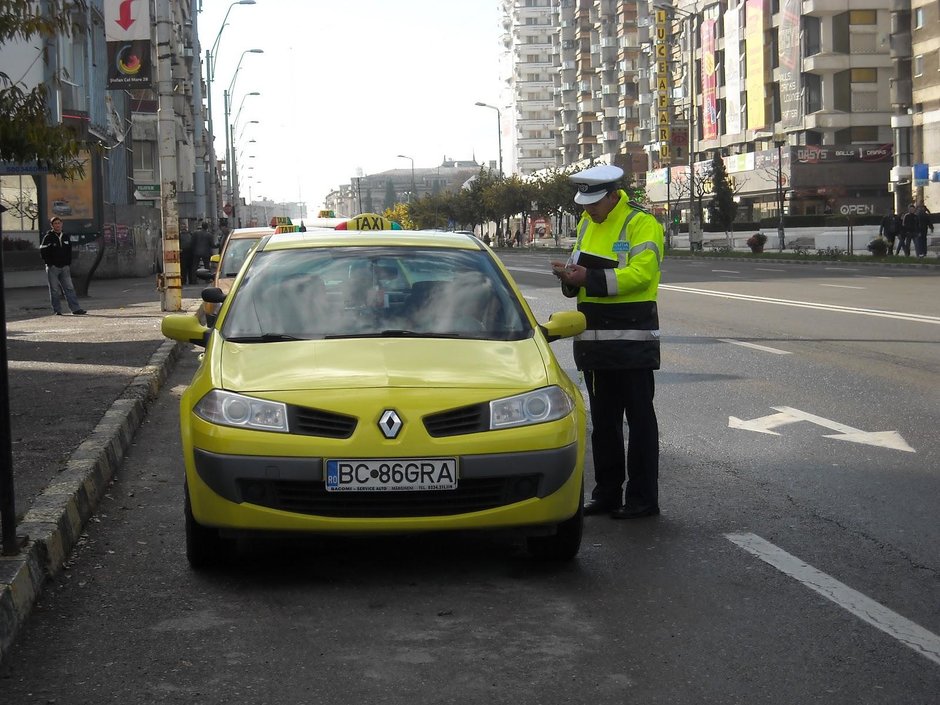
(899, 315)
(842, 286)
(926, 643)
(775, 351)
(726, 271)
(768, 269)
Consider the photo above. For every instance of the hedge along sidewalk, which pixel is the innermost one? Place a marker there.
(58, 516)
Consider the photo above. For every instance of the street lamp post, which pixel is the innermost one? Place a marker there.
(230, 140)
(779, 140)
(499, 131)
(413, 186)
(211, 57)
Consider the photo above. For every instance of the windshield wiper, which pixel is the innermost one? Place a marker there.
(263, 338)
(394, 333)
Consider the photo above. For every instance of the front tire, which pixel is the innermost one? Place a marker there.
(204, 546)
(564, 544)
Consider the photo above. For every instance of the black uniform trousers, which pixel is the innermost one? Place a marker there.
(613, 395)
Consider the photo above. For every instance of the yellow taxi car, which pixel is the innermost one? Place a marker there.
(378, 382)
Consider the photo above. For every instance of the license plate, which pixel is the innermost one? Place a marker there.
(391, 475)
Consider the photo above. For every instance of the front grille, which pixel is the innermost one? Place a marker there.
(471, 495)
(313, 422)
(467, 419)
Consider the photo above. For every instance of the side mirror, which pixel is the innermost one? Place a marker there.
(564, 324)
(213, 295)
(185, 328)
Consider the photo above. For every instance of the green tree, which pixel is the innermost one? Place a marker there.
(722, 208)
(26, 135)
(391, 198)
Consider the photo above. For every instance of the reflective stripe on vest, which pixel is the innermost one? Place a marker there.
(599, 335)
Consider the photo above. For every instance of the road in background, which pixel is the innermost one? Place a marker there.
(799, 567)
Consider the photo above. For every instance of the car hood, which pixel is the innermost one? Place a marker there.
(365, 363)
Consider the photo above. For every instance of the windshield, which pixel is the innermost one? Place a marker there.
(235, 254)
(370, 292)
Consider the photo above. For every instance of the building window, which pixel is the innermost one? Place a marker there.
(813, 86)
(143, 156)
(863, 17)
(864, 76)
(812, 36)
(868, 133)
(918, 17)
(918, 65)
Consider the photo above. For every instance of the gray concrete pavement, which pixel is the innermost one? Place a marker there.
(79, 387)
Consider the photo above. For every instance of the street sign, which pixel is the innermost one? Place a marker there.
(17, 169)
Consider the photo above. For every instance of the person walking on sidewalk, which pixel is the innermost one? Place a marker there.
(56, 251)
(923, 225)
(890, 227)
(909, 227)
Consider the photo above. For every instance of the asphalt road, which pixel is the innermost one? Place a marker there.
(793, 568)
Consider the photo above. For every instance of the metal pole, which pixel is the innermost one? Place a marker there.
(499, 132)
(693, 220)
(213, 209)
(781, 236)
(228, 151)
(11, 546)
(172, 293)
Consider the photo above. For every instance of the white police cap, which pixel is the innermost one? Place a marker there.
(594, 183)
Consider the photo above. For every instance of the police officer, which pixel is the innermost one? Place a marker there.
(614, 272)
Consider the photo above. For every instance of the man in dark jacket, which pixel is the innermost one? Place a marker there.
(202, 248)
(909, 227)
(56, 252)
(923, 225)
(890, 227)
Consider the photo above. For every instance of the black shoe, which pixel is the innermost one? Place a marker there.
(79, 312)
(635, 511)
(597, 506)
(58, 313)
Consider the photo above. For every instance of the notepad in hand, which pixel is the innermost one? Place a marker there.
(586, 259)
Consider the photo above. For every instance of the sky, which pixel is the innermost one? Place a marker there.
(346, 86)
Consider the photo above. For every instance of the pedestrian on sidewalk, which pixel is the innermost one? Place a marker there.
(923, 225)
(187, 261)
(56, 252)
(890, 227)
(909, 228)
(202, 248)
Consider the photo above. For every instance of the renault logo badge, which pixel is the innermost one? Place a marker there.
(390, 423)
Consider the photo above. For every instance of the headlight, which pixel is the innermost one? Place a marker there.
(229, 409)
(548, 404)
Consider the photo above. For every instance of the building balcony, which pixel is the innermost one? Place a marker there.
(822, 8)
(901, 91)
(826, 63)
(900, 45)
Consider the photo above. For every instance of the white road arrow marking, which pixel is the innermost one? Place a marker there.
(788, 415)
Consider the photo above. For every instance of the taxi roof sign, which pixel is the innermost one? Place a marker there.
(280, 220)
(369, 221)
(287, 229)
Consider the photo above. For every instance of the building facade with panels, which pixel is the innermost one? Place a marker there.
(795, 96)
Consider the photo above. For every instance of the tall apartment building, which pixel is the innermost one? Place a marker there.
(596, 87)
(925, 107)
(795, 94)
(529, 41)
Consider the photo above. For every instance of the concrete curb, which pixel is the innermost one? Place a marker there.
(55, 522)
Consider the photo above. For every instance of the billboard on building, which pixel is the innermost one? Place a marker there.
(733, 70)
(709, 81)
(755, 18)
(127, 35)
(788, 35)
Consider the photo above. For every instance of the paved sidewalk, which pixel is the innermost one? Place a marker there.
(79, 387)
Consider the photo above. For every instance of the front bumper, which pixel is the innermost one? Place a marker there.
(289, 493)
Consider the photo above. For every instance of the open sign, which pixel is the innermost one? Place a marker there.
(857, 209)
